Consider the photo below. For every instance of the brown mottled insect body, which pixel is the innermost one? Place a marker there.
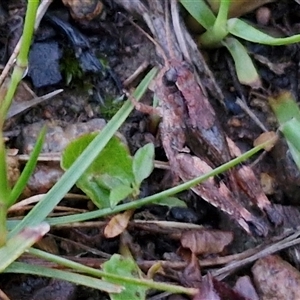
(176, 123)
(191, 135)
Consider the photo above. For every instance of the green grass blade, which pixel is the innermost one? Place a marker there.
(245, 70)
(23, 268)
(27, 32)
(28, 170)
(100, 273)
(58, 191)
(220, 24)
(200, 11)
(22, 59)
(247, 32)
(20, 243)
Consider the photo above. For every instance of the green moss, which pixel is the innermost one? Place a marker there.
(72, 72)
(110, 108)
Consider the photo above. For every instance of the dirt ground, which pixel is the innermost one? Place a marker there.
(88, 94)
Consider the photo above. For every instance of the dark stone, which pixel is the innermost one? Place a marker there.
(44, 64)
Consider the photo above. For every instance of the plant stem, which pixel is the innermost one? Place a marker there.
(213, 36)
(155, 198)
(22, 59)
(4, 191)
(12, 86)
(98, 273)
(3, 230)
(28, 169)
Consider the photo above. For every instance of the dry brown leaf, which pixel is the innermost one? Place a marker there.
(117, 224)
(276, 279)
(277, 68)
(264, 137)
(206, 241)
(48, 244)
(267, 183)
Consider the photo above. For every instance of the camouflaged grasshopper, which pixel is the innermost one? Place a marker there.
(191, 135)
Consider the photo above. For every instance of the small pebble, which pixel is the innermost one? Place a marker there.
(263, 15)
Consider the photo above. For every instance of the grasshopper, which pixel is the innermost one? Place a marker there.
(191, 135)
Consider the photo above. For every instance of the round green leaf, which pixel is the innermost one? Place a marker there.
(112, 167)
(127, 267)
(143, 163)
(245, 70)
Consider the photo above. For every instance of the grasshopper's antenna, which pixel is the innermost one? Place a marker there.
(150, 38)
(177, 29)
(168, 30)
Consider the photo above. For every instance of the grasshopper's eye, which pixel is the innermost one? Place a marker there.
(188, 66)
(170, 77)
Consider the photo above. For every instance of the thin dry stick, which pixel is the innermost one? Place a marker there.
(178, 32)
(150, 38)
(289, 241)
(247, 110)
(82, 246)
(49, 157)
(40, 13)
(136, 73)
(19, 107)
(39, 197)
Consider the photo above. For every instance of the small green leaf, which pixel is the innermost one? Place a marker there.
(285, 107)
(112, 167)
(107, 181)
(287, 113)
(295, 154)
(291, 131)
(246, 72)
(17, 245)
(119, 193)
(214, 35)
(172, 202)
(200, 11)
(247, 32)
(126, 267)
(90, 186)
(143, 163)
